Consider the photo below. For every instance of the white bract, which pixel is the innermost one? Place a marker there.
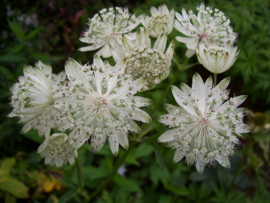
(106, 28)
(217, 59)
(141, 60)
(57, 150)
(162, 21)
(205, 127)
(103, 104)
(34, 95)
(209, 26)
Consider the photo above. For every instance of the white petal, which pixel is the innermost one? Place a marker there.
(160, 43)
(223, 161)
(190, 53)
(179, 154)
(200, 167)
(123, 140)
(198, 92)
(114, 142)
(168, 136)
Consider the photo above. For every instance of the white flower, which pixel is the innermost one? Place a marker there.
(103, 104)
(217, 59)
(33, 97)
(162, 21)
(207, 27)
(144, 61)
(57, 150)
(107, 27)
(204, 127)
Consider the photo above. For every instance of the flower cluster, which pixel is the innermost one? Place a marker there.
(102, 105)
(97, 102)
(162, 21)
(33, 98)
(206, 124)
(106, 28)
(209, 26)
(142, 60)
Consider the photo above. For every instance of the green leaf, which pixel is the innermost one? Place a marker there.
(156, 175)
(43, 57)
(7, 73)
(158, 156)
(107, 196)
(16, 49)
(9, 198)
(33, 33)
(126, 184)
(93, 173)
(15, 187)
(261, 137)
(67, 196)
(6, 165)
(179, 190)
(33, 135)
(17, 30)
(12, 58)
(143, 150)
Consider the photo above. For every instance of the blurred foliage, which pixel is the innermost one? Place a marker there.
(49, 31)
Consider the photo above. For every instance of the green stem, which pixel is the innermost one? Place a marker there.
(110, 177)
(147, 130)
(165, 92)
(79, 174)
(180, 69)
(215, 79)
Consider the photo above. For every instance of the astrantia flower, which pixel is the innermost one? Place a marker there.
(103, 104)
(142, 60)
(107, 27)
(208, 26)
(57, 150)
(162, 21)
(217, 59)
(204, 127)
(33, 97)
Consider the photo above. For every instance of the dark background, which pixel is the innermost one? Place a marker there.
(49, 31)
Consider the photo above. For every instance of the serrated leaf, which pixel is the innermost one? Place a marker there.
(179, 190)
(143, 150)
(15, 187)
(126, 184)
(158, 156)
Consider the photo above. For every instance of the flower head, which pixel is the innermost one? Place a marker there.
(107, 27)
(162, 21)
(103, 104)
(57, 150)
(204, 127)
(209, 26)
(142, 60)
(33, 97)
(217, 59)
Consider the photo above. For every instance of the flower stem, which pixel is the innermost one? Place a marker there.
(110, 177)
(215, 79)
(180, 69)
(165, 92)
(79, 174)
